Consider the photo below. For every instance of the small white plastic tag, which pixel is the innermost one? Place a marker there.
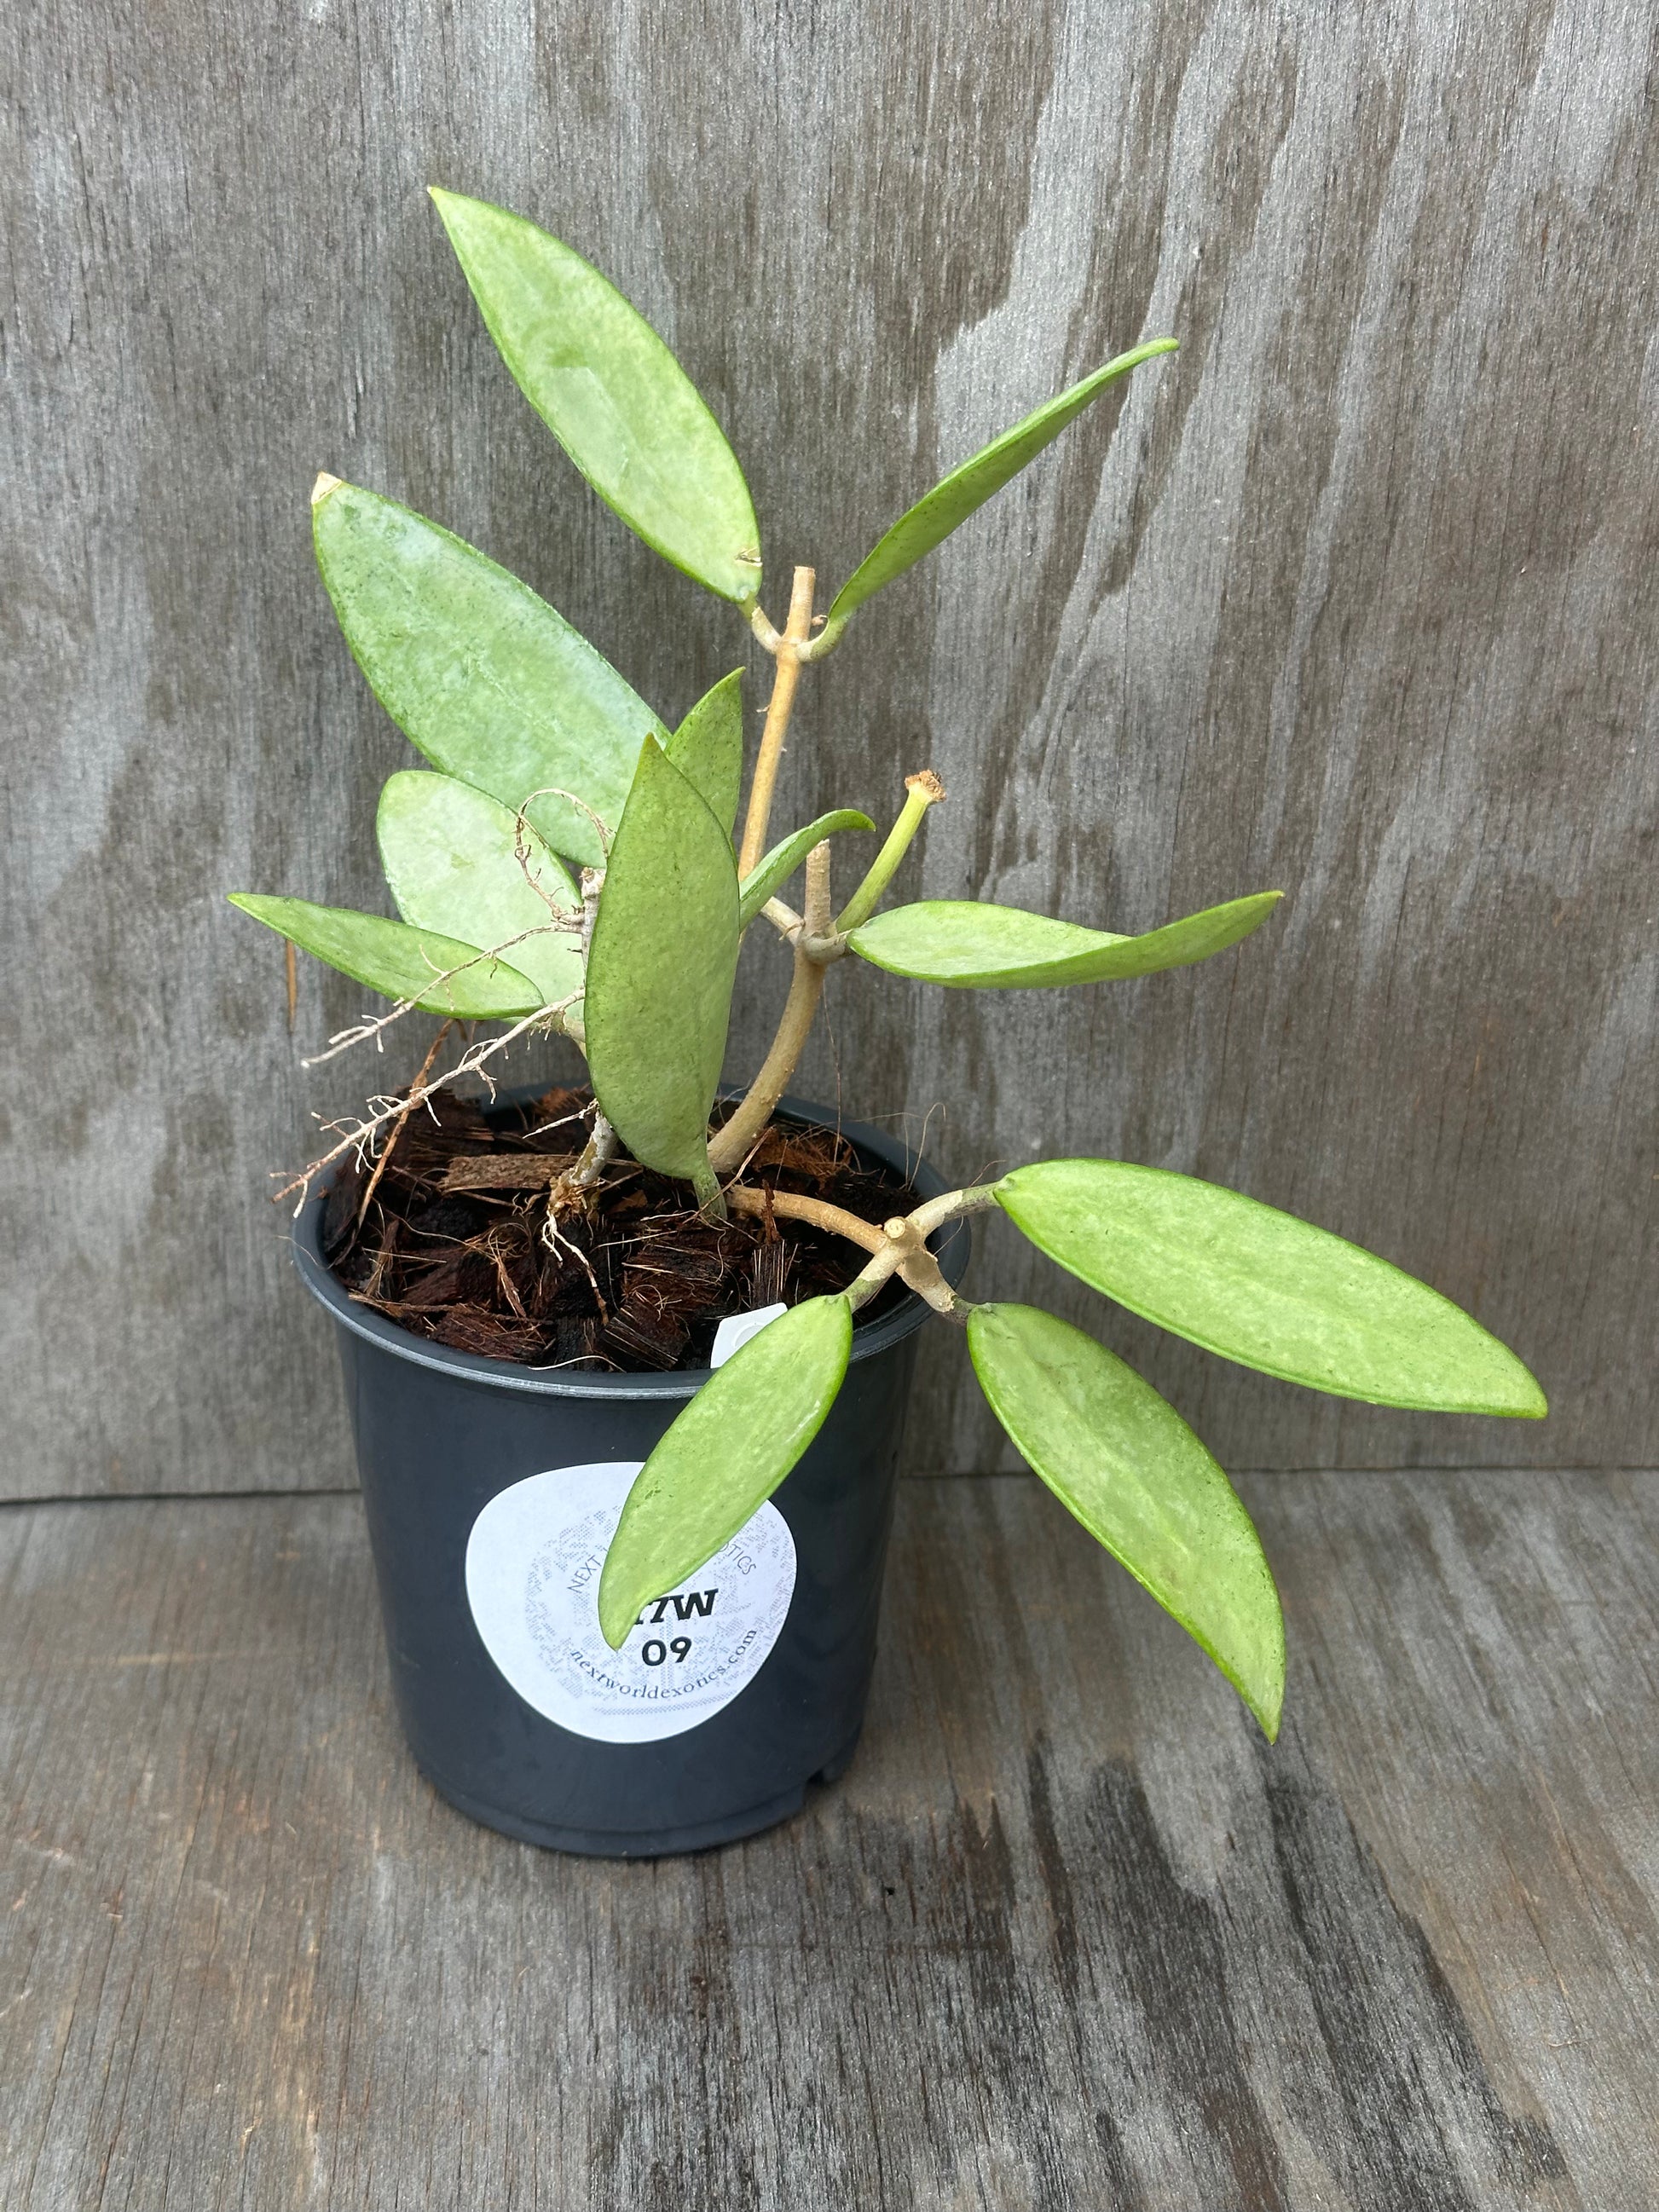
(533, 1561)
(735, 1331)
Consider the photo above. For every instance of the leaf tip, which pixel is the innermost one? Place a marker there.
(1536, 1405)
(616, 1615)
(325, 484)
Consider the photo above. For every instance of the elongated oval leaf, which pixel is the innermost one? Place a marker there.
(966, 489)
(1264, 1288)
(660, 971)
(724, 1455)
(708, 747)
(479, 674)
(966, 945)
(451, 856)
(774, 868)
(611, 393)
(399, 962)
(1141, 1482)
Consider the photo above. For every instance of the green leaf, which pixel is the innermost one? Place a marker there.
(1263, 1288)
(451, 856)
(966, 489)
(611, 393)
(724, 1455)
(399, 962)
(965, 944)
(708, 747)
(1141, 1482)
(660, 971)
(479, 674)
(774, 869)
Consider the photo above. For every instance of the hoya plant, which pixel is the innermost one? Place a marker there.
(569, 863)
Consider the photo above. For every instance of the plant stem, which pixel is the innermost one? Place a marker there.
(729, 1145)
(596, 1154)
(797, 633)
(905, 1254)
(815, 916)
(711, 1199)
(925, 790)
(789, 1208)
(826, 640)
(898, 1248)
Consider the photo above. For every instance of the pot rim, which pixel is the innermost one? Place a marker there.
(951, 1245)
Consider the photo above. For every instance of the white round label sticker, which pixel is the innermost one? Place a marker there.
(533, 1581)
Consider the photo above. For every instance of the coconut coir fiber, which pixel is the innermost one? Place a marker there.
(452, 1243)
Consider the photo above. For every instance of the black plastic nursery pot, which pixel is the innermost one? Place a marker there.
(491, 1491)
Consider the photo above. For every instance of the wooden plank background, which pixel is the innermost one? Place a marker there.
(1067, 1937)
(1358, 602)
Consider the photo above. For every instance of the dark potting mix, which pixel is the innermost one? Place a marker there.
(447, 1234)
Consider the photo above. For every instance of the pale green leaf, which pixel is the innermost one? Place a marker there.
(660, 971)
(1264, 1288)
(708, 747)
(724, 1455)
(966, 489)
(460, 862)
(965, 944)
(399, 962)
(774, 869)
(480, 675)
(1141, 1483)
(611, 393)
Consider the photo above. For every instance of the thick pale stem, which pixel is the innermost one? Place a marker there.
(783, 918)
(786, 1206)
(925, 790)
(596, 1154)
(797, 632)
(729, 1144)
(898, 1248)
(815, 918)
(905, 1254)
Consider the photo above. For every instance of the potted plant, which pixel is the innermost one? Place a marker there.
(630, 1593)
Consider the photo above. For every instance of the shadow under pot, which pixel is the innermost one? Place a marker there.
(491, 1491)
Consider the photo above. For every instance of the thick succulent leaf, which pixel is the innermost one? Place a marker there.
(1264, 1288)
(708, 747)
(965, 944)
(399, 962)
(451, 855)
(611, 393)
(1141, 1482)
(774, 868)
(479, 674)
(660, 971)
(724, 1455)
(950, 502)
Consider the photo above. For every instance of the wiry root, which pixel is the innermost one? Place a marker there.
(359, 1136)
(555, 1241)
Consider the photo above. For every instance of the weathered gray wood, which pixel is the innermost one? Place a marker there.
(1359, 603)
(1067, 1934)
